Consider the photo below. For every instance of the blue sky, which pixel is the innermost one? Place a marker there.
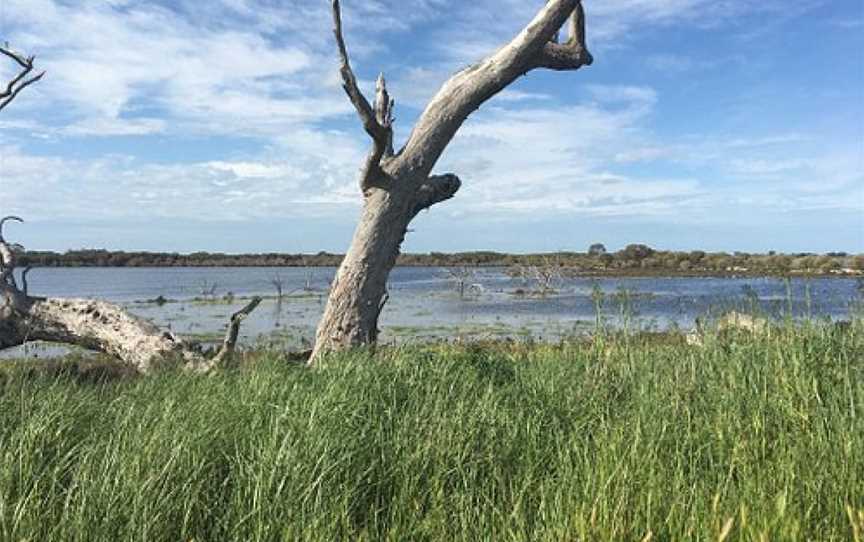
(221, 125)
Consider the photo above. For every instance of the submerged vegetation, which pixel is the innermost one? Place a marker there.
(624, 437)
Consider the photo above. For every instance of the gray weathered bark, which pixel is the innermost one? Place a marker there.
(97, 325)
(397, 186)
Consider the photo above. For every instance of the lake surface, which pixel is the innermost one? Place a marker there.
(425, 304)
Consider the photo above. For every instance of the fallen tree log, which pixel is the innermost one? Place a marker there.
(98, 325)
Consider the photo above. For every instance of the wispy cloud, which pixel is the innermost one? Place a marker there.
(121, 188)
(121, 68)
(128, 78)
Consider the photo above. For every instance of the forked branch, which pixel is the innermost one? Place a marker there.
(403, 185)
(377, 120)
(20, 81)
(466, 91)
(571, 55)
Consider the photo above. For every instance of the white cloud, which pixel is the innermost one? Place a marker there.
(557, 161)
(553, 160)
(266, 68)
(122, 71)
(107, 126)
(253, 170)
(673, 64)
(636, 97)
(476, 30)
(121, 187)
(643, 154)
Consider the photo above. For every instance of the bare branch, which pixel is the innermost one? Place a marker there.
(384, 112)
(374, 331)
(207, 288)
(577, 27)
(7, 255)
(546, 277)
(6, 219)
(230, 341)
(21, 60)
(279, 283)
(571, 55)
(349, 81)
(378, 121)
(462, 278)
(20, 82)
(24, 273)
(436, 189)
(466, 91)
(556, 37)
(563, 57)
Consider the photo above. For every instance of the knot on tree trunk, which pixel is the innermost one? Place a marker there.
(436, 189)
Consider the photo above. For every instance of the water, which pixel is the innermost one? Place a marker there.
(424, 303)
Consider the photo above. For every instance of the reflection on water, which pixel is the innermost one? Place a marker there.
(424, 304)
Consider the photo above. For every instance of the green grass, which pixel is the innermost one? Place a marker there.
(619, 439)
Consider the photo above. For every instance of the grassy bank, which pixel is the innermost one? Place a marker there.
(744, 438)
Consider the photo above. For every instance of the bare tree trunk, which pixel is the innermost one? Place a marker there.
(397, 186)
(359, 291)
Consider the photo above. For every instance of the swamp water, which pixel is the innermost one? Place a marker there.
(425, 303)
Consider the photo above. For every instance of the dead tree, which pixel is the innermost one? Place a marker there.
(279, 283)
(461, 278)
(396, 186)
(546, 277)
(20, 81)
(207, 288)
(98, 325)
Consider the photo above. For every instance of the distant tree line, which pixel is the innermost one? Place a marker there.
(633, 259)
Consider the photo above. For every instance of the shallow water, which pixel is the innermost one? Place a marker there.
(424, 303)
